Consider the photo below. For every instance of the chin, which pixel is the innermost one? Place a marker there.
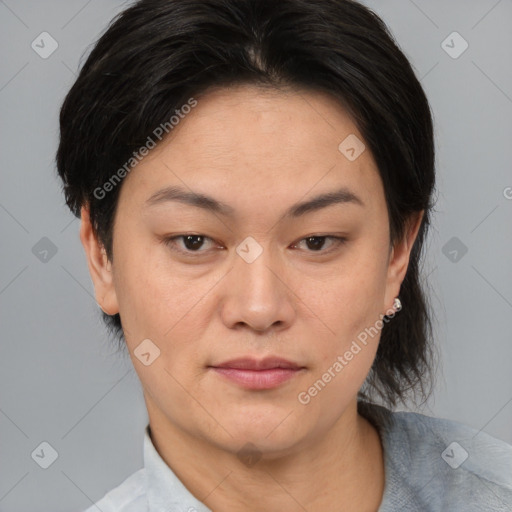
(267, 431)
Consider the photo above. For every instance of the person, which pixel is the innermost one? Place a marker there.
(255, 181)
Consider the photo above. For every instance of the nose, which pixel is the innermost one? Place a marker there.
(256, 296)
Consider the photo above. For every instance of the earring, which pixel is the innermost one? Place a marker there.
(397, 304)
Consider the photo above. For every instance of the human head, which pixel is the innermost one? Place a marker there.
(158, 55)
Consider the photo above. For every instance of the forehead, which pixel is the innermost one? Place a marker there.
(231, 122)
(247, 142)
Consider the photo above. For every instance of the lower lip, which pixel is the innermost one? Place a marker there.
(258, 379)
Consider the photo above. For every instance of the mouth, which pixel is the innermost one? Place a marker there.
(252, 373)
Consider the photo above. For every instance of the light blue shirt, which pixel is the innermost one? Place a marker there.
(431, 465)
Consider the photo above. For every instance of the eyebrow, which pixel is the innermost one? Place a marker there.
(173, 193)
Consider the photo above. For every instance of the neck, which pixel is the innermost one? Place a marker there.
(331, 473)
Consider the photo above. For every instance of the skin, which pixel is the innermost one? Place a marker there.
(260, 152)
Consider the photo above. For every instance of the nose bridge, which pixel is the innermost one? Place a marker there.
(258, 277)
(255, 294)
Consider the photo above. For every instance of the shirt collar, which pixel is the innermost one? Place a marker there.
(165, 491)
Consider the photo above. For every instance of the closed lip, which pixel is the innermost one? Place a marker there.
(249, 363)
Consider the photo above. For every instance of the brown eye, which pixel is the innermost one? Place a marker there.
(316, 243)
(191, 243)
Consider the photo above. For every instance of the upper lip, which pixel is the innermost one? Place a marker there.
(249, 363)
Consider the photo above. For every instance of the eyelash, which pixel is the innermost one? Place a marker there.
(170, 242)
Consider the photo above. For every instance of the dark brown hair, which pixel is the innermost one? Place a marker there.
(157, 54)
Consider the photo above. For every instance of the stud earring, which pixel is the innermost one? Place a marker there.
(397, 304)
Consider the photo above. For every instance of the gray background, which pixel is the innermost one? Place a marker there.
(61, 380)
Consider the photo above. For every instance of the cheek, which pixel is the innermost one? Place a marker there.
(143, 288)
(158, 300)
(346, 350)
(348, 307)
(353, 296)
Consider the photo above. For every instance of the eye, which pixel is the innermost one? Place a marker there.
(191, 243)
(317, 242)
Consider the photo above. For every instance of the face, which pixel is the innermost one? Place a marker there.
(289, 258)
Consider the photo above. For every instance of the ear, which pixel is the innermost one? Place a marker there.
(399, 259)
(100, 267)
